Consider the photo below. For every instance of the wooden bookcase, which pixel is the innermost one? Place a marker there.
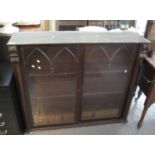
(74, 78)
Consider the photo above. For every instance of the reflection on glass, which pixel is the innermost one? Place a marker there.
(105, 79)
(52, 84)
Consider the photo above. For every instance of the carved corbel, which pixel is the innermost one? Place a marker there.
(145, 51)
(13, 54)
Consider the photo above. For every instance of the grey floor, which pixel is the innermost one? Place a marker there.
(129, 128)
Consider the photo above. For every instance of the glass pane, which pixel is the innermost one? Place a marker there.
(106, 74)
(51, 77)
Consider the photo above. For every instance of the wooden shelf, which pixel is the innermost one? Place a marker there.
(50, 97)
(51, 75)
(60, 118)
(103, 93)
(105, 72)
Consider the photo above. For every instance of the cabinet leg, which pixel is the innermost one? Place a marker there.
(142, 117)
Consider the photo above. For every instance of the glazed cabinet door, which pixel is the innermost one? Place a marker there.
(107, 71)
(51, 77)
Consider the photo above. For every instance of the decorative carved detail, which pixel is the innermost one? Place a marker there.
(13, 53)
(51, 62)
(65, 49)
(145, 51)
(39, 50)
(115, 52)
(102, 50)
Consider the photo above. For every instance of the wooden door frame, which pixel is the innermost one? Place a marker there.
(21, 78)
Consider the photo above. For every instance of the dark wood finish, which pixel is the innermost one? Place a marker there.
(4, 54)
(80, 124)
(10, 116)
(148, 29)
(107, 70)
(150, 34)
(133, 84)
(52, 83)
(146, 70)
(79, 90)
(74, 78)
(147, 85)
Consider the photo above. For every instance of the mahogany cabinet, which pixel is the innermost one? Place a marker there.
(75, 78)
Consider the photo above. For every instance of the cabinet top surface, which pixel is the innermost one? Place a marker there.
(74, 37)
